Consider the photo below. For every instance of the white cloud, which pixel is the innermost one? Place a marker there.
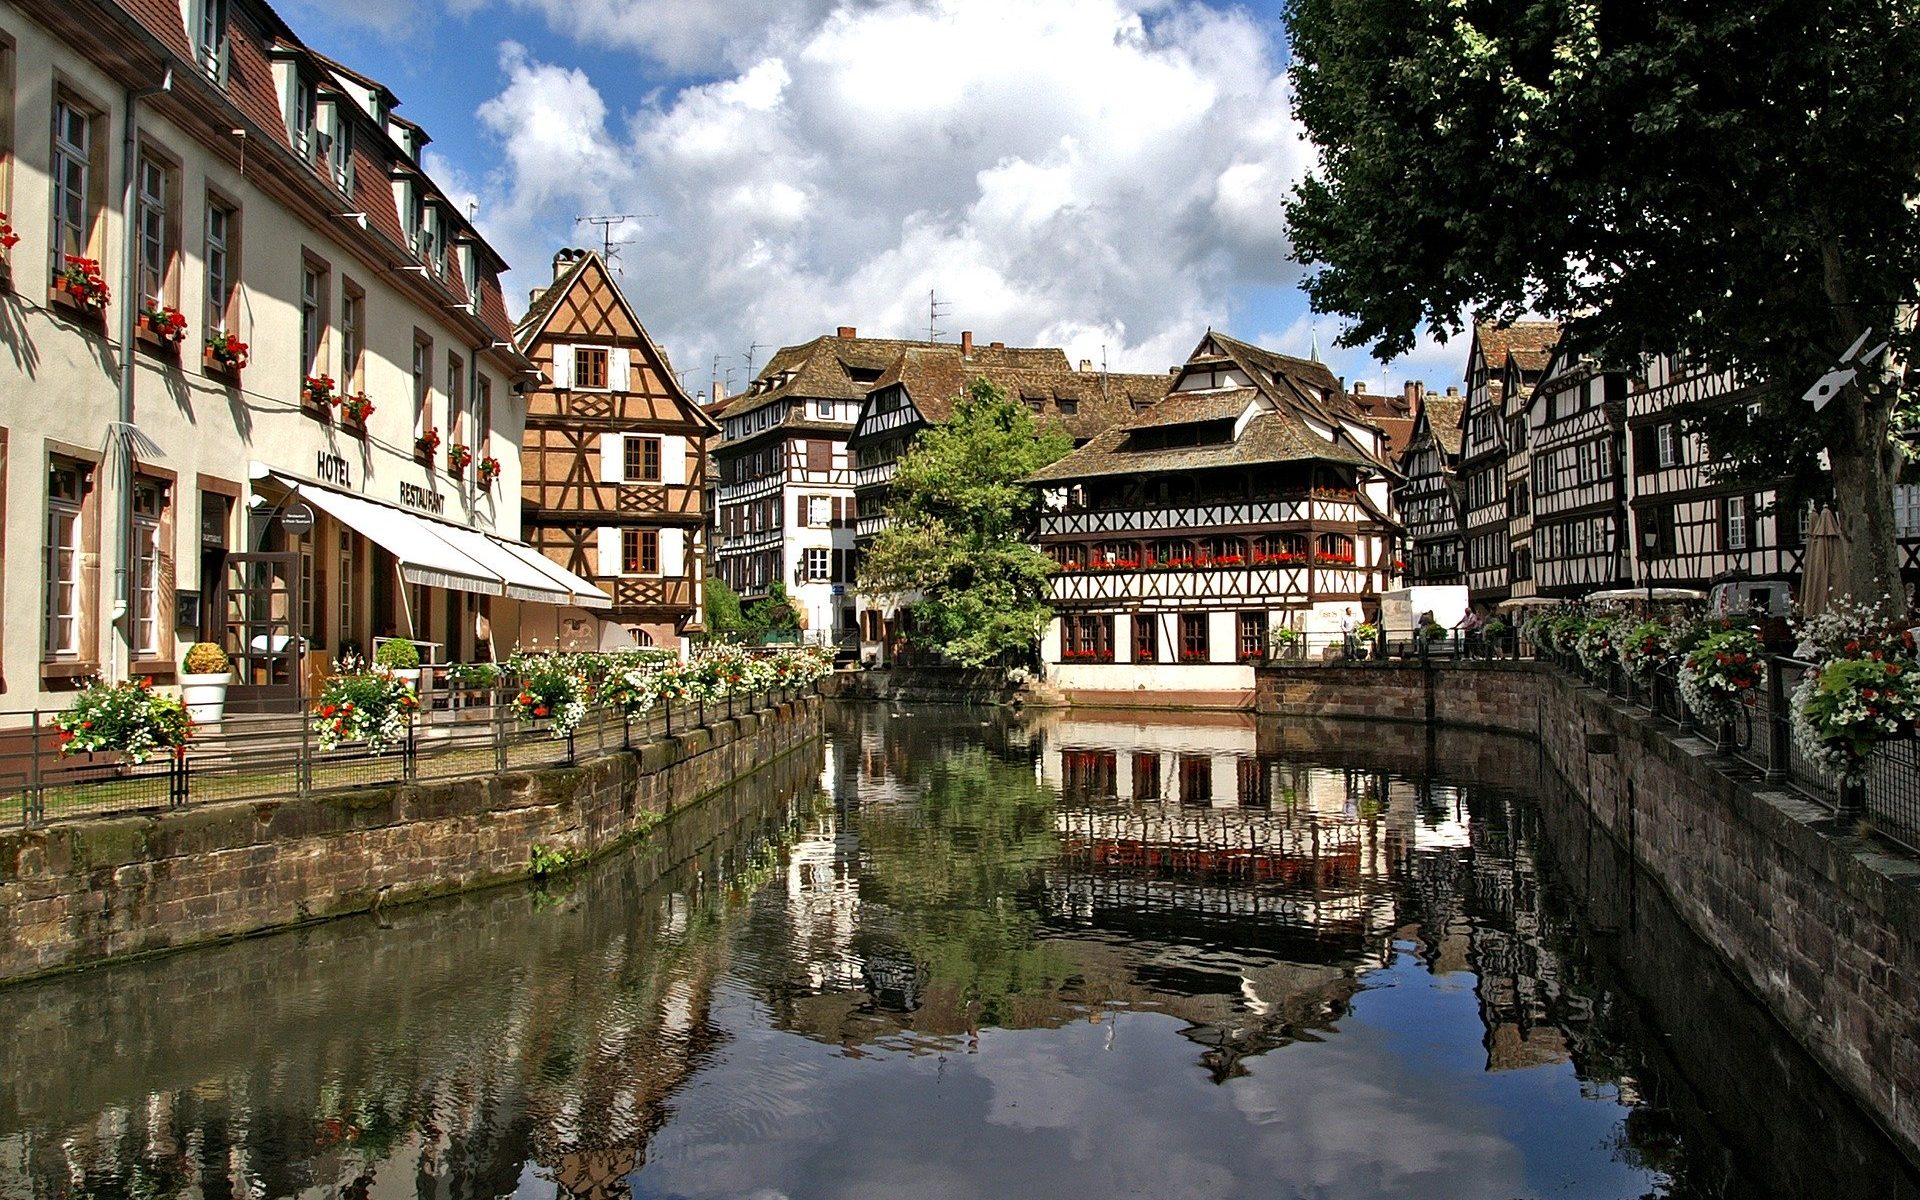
(1059, 173)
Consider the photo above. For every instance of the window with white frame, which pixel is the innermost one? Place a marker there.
(219, 262)
(152, 230)
(819, 511)
(72, 179)
(313, 318)
(1667, 445)
(304, 118)
(1906, 510)
(148, 619)
(1739, 522)
(819, 565)
(210, 40)
(422, 384)
(66, 491)
(345, 585)
(353, 337)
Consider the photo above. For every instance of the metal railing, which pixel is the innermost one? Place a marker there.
(1761, 736)
(460, 733)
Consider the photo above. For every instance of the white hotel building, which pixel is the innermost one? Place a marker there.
(274, 195)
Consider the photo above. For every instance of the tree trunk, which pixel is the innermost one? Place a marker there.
(1863, 462)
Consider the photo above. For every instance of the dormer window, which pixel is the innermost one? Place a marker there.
(303, 128)
(339, 156)
(209, 27)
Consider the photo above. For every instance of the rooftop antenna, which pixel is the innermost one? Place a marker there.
(606, 222)
(753, 349)
(1103, 370)
(936, 308)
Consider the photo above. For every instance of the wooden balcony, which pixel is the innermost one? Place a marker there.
(1194, 587)
(668, 503)
(1203, 517)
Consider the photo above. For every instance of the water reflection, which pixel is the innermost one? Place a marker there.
(956, 956)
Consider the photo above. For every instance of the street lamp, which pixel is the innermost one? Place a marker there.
(1649, 543)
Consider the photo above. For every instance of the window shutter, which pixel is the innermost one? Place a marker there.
(673, 460)
(620, 369)
(839, 518)
(673, 553)
(609, 552)
(613, 457)
(563, 367)
(1645, 448)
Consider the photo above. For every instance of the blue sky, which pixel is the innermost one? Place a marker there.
(1103, 175)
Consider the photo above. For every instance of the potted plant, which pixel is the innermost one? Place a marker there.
(203, 682)
(127, 718)
(365, 706)
(317, 390)
(470, 681)
(551, 693)
(357, 408)
(164, 323)
(427, 445)
(399, 658)
(487, 471)
(225, 352)
(81, 281)
(1718, 675)
(458, 457)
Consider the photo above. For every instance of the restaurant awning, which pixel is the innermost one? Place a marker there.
(440, 554)
(584, 593)
(425, 557)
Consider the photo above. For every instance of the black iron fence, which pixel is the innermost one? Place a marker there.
(1761, 735)
(461, 732)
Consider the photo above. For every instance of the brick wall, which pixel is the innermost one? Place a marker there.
(1822, 924)
(80, 892)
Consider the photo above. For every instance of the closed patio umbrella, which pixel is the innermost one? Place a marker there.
(1826, 555)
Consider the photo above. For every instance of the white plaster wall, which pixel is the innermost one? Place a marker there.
(1163, 677)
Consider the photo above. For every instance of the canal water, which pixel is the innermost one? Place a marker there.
(959, 955)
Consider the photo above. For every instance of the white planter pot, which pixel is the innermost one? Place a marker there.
(410, 676)
(205, 696)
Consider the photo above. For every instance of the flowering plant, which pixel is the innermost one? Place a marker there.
(358, 705)
(128, 717)
(428, 443)
(318, 389)
(1849, 629)
(458, 457)
(227, 350)
(81, 279)
(1366, 632)
(1846, 706)
(8, 238)
(165, 322)
(1718, 673)
(551, 692)
(1593, 641)
(631, 690)
(357, 407)
(1643, 649)
(487, 471)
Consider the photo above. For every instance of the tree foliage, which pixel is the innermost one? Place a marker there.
(1728, 179)
(726, 621)
(959, 517)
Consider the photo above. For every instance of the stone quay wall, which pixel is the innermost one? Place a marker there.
(81, 892)
(1820, 922)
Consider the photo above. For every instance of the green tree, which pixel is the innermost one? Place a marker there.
(772, 613)
(960, 513)
(724, 618)
(1728, 179)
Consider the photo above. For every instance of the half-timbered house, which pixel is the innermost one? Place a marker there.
(784, 503)
(918, 391)
(1252, 498)
(1575, 477)
(1428, 497)
(1502, 365)
(614, 459)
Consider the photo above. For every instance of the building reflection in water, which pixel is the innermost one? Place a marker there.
(926, 880)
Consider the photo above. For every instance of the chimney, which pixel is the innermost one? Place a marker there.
(849, 332)
(966, 343)
(533, 297)
(996, 345)
(1086, 366)
(563, 261)
(1359, 388)
(1453, 393)
(1415, 393)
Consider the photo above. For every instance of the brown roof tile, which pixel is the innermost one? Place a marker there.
(1528, 342)
(1269, 438)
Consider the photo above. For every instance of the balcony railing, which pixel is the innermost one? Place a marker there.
(1203, 516)
(1281, 583)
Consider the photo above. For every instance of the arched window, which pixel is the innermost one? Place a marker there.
(1116, 554)
(1335, 548)
(1169, 550)
(1280, 548)
(1226, 551)
(1070, 554)
(640, 636)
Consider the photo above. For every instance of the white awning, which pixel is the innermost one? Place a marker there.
(425, 557)
(523, 581)
(584, 593)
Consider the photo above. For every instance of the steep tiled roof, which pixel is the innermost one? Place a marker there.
(1443, 419)
(1191, 408)
(1269, 438)
(1529, 342)
(543, 303)
(819, 370)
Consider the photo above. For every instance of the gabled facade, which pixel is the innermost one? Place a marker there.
(1575, 477)
(276, 198)
(1251, 498)
(918, 392)
(1428, 497)
(1503, 363)
(614, 458)
(784, 508)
